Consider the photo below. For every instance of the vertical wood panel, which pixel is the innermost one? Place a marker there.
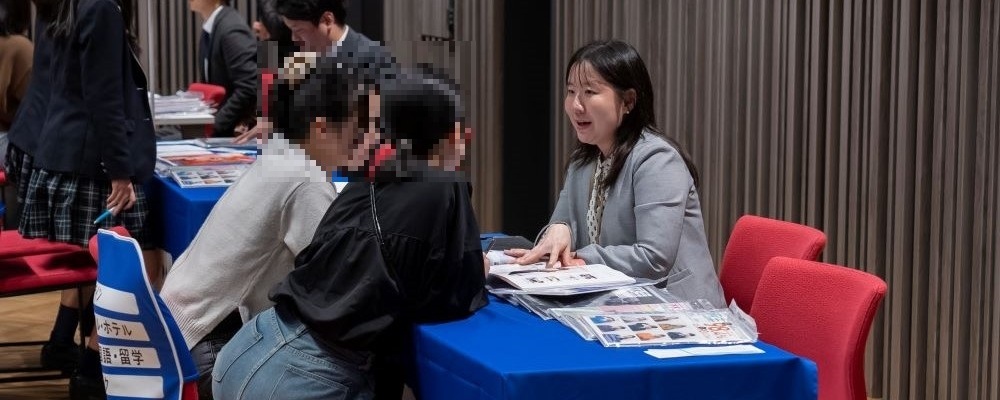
(475, 64)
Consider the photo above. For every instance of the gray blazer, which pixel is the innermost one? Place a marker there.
(652, 226)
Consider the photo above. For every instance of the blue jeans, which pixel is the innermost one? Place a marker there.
(274, 357)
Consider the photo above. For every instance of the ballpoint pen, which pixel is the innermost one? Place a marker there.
(107, 213)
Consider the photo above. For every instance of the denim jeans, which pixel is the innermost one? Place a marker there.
(274, 357)
(208, 348)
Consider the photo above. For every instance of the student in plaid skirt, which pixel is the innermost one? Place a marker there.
(82, 143)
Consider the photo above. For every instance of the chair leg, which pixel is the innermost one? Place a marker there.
(79, 310)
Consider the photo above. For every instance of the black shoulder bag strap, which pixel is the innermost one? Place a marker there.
(386, 255)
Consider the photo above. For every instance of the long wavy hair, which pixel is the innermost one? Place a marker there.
(619, 64)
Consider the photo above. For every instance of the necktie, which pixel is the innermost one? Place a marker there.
(205, 49)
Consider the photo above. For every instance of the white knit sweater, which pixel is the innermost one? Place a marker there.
(249, 241)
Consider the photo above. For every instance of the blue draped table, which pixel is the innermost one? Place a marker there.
(176, 214)
(503, 352)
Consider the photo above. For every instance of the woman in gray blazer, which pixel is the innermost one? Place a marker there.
(630, 200)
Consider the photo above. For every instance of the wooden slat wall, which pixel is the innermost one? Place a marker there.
(475, 64)
(876, 121)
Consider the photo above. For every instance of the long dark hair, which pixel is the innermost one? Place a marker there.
(620, 65)
(14, 17)
(61, 16)
(330, 91)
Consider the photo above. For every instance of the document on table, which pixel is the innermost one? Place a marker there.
(704, 351)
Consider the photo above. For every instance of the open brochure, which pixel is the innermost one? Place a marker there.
(541, 279)
(694, 326)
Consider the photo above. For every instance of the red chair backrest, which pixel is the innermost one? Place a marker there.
(92, 244)
(266, 82)
(755, 241)
(822, 312)
(213, 94)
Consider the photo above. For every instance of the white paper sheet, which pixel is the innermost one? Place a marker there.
(704, 351)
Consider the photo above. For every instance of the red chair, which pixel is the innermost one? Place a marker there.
(30, 266)
(753, 242)
(212, 94)
(822, 312)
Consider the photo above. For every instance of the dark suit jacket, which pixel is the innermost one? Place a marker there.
(372, 60)
(233, 65)
(89, 110)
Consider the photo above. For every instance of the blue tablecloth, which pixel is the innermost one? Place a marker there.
(176, 214)
(503, 352)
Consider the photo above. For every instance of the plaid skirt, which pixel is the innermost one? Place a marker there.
(62, 207)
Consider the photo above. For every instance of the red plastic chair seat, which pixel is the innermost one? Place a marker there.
(13, 245)
(46, 272)
(38, 265)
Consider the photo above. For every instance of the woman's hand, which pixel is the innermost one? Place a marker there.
(555, 244)
(122, 196)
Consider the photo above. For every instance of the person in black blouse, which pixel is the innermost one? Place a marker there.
(390, 252)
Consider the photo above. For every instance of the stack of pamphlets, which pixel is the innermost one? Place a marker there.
(193, 165)
(207, 176)
(181, 103)
(681, 325)
(625, 299)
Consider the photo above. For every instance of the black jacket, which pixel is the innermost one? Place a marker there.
(87, 110)
(344, 289)
(233, 65)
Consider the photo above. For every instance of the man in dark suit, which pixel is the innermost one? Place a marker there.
(319, 26)
(227, 56)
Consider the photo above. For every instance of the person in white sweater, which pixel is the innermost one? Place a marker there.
(247, 244)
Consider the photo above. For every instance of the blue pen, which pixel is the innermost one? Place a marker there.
(107, 213)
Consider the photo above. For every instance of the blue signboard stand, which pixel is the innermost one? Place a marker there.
(143, 355)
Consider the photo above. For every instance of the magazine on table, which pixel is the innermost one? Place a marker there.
(212, 158)
(541, 279)
(225, 143)
(575, 318)
(680, 327)
(207, 176)
(634, 299)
